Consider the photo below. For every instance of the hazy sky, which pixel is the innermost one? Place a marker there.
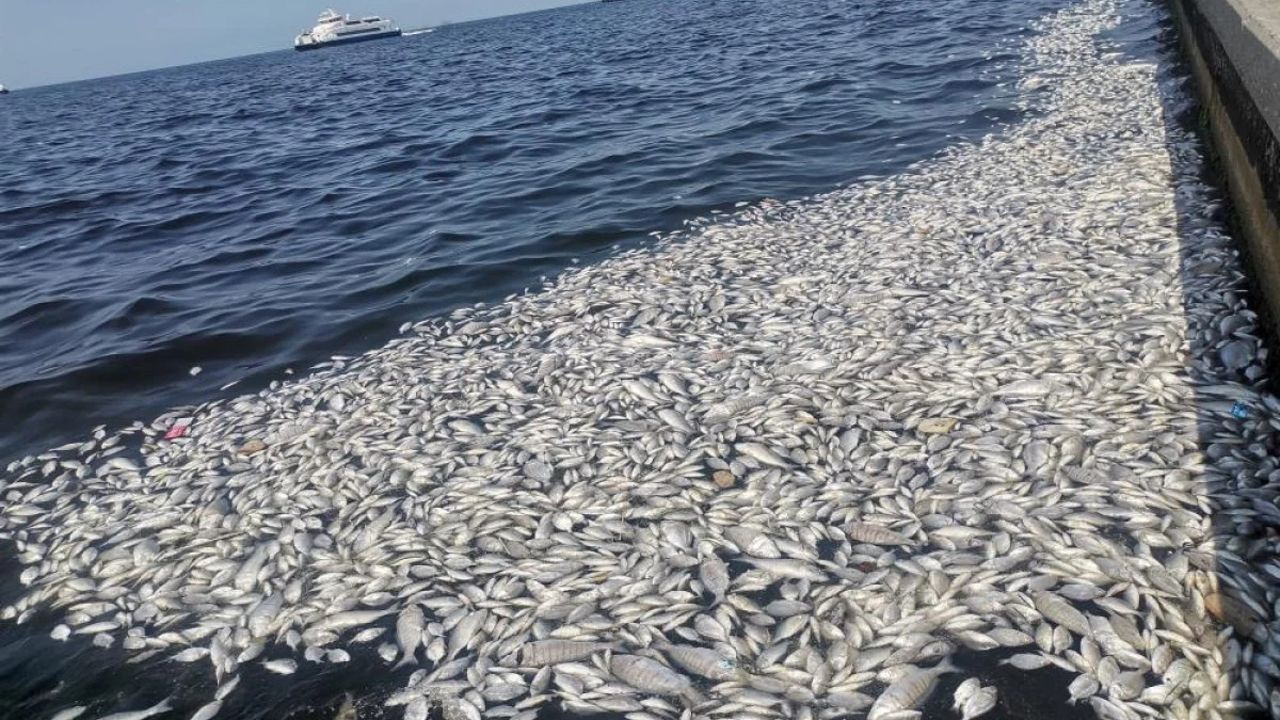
(50, 41)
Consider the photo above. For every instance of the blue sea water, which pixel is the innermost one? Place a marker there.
(261, 214)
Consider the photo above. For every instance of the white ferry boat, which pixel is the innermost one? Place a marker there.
(335, 29)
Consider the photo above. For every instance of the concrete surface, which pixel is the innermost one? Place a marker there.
(1234, 50)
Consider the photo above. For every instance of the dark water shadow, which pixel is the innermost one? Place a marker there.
(1236, 411)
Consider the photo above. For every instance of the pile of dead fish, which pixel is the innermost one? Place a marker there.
(789, 464)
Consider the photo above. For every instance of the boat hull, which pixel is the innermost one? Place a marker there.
(349, 40)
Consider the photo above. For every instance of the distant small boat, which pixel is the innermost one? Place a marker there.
(334, 29)
(4, 90)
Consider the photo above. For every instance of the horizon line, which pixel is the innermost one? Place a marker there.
(224, 58)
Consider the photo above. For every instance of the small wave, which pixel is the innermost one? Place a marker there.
(282, 187)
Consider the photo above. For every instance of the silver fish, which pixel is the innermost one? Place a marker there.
(908, 691)
(409, 627)
(714, 575)
(160, 707)
(876, 535)
(1062, 613)
(551, 652)
(979, 703)
(648, 675)
(702, 661)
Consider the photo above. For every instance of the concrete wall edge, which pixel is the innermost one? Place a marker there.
(1242, 135)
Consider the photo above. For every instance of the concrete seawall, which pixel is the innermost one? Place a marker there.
(1234, 50)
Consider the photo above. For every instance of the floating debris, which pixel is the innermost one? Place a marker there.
(178, 429)
(937, 426)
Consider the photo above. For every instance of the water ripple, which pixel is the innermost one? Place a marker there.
(266, 212)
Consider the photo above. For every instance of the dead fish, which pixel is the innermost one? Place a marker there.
(160, 707)
(537, 470)
(714, 575)
(1027, 661)
(752, 542)
(464, 631)
(875, 535)
(955, 406)
(849, 701)
(552, 652)
(909, 690)
(648, 675)
(1026, 389)
(207, 711)
(675, 420)
(1061, 612)
(783, 608)
(724, 411)
(283, 666)
(788, 568)
(1082, 688)
(409, 627)
(701, 661)
(979, 703)
(964, 691)
(762, 454)
(348, 619)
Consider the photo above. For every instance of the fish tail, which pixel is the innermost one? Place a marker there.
(693, 697)
(946, 666)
